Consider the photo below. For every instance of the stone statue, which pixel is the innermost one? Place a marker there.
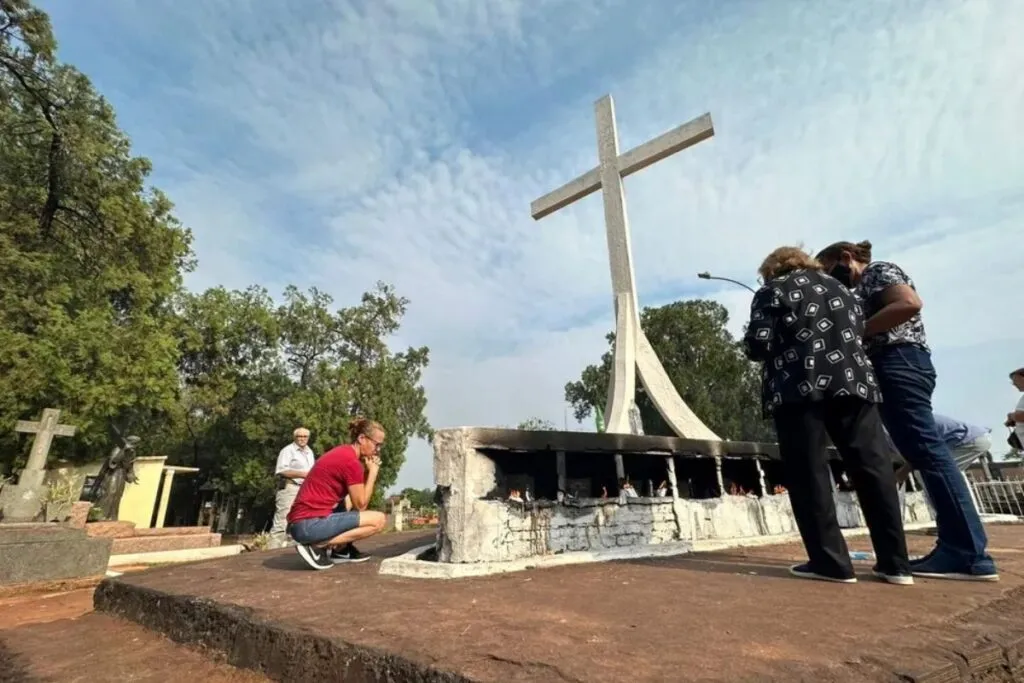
(118, 469)
(636, 422)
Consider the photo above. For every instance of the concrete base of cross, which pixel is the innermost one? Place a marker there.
(23, 502)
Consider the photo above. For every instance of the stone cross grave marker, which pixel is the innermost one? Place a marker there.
(23, 502)
(633, 351)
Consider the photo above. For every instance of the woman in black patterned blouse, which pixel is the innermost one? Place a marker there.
(897, 346)
(806, 328)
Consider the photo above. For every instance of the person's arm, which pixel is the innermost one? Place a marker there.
(1014, 418)
(757, 340)
(360, 492)
(889, 286)
(900, 303)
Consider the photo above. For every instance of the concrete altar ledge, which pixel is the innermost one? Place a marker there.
(411, 566)
(514, 440)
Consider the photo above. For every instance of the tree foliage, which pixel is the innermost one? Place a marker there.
(252, 372)
(89, 257)
(94, 318)
(537, 424)
(704, 362)
(419, 499)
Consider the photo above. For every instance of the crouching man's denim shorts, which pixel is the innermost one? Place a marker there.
(320, 529)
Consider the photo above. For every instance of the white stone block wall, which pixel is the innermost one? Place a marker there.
(528, 530)
(475, 529)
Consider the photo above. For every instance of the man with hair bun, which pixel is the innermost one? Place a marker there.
(325, 537)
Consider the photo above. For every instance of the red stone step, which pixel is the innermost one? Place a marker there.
(173, 531)
(157, 543)
(108, 529)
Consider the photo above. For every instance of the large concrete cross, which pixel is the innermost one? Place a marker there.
(47, 428)
(22, 503)
(633, 351)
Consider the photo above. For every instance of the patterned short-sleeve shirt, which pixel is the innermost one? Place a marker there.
(877, 277)
(806, 328)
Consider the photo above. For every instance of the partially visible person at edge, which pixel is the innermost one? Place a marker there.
(818, 385)
(1015, 420)
(326, 537)
(967, 442)
(896, 344)
(293, 464)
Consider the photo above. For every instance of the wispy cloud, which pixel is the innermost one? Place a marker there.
(337, 143)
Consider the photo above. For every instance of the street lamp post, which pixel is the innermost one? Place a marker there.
(708, 276)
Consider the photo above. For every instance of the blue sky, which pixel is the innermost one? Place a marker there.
(336, 143)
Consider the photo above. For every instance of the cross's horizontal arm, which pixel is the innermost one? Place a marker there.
(36, 427)
(636, 159)
(666, 144)
(28, 427)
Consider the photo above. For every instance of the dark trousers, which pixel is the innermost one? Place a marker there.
(906, 377)
(855, 429)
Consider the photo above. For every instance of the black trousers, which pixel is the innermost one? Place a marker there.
(855, 428)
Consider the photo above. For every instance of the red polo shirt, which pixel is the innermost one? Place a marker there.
(327, 483)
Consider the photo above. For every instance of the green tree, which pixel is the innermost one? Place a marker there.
(704, 362)
(90, 257)
(537, 424)
(252, 371)
(418, 498)
(94, 318)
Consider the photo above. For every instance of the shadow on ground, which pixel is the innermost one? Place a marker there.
(720, 563)
(756, 561)
(14, 668)
(381, 547)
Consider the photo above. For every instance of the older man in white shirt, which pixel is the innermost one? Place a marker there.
(293, 464)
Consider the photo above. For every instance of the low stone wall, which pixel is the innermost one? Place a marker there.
(50, 552)
(521, 531)
(527, 530)
(476, 526)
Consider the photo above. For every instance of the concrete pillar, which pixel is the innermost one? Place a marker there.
(165, 497)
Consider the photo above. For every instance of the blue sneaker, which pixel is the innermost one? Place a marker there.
(942, 565)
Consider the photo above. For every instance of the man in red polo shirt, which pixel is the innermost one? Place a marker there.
(324, 537)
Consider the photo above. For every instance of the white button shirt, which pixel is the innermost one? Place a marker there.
(292, 457)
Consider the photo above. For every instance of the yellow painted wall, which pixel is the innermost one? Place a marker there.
(139, 498)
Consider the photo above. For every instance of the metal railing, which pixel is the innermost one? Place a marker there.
(998, 497)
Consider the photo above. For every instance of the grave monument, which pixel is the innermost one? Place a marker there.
(695, 485)
(24, 501)
(33, 552)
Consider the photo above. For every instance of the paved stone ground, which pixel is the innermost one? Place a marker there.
(56, 637)
(726, 616)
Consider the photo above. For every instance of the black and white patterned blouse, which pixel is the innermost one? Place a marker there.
(877, 277)
(806, 328)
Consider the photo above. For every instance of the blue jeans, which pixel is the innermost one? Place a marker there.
(320, 529)
(907, 379)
